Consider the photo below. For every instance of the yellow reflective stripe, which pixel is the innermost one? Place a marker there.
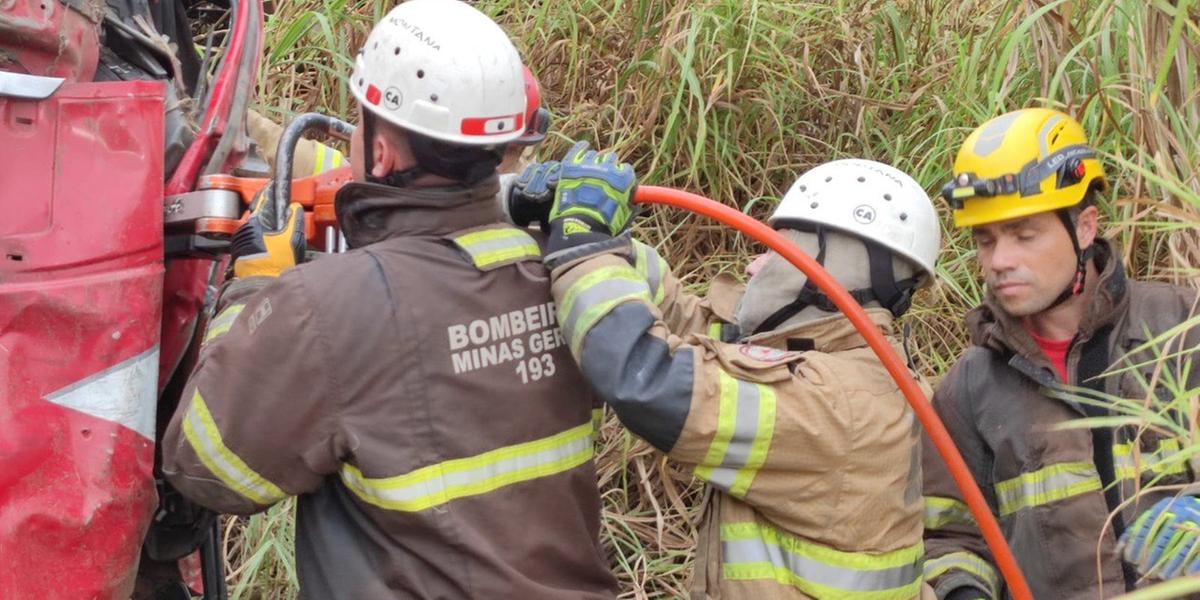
(714, 331)
(319, 159)
(967, 562)
(757, 551)
(438, 484)
(940, 512)
(223, 321)
(592, 278)
(1163, 461)
(745, 426)
(325, 159)
(334, 159)
(726, 413)
(597, 419)
(490, 247)
(205, 439)
(1046, 485)
(593, 296)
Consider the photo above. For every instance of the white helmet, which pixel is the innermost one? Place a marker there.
(445, 70)
(870, 200)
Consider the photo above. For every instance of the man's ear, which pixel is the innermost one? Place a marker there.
(384, 153)
(1087, 226)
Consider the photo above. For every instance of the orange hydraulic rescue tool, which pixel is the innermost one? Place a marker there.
(314, 193)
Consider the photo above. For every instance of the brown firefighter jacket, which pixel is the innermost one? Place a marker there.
(416, 395)
(813, 456)
(1045, 483)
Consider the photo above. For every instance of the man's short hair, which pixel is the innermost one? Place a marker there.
(1089, 199)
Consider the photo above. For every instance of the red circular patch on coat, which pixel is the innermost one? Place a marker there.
(762, 353)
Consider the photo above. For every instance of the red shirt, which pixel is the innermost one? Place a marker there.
(1056, 351)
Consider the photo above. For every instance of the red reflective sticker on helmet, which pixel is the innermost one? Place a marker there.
(373, 94)
(493, 125)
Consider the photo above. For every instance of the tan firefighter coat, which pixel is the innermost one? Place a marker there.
(814, 455)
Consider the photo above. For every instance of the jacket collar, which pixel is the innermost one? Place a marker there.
(991, 327)
(370, 212)
(834, 333)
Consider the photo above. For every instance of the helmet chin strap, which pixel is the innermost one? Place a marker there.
(1082, 255)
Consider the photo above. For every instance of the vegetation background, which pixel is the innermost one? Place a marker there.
(733, 99)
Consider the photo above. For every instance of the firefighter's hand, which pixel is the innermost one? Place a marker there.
(532, 194)
(593, 199)
(261, 248)
(1164, 541)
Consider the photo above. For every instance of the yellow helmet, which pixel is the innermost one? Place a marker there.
(1022, 163)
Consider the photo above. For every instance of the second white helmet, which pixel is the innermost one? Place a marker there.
(870, 200)
(445, 70)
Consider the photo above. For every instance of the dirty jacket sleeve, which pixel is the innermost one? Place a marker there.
(956, 555)
(618, 335)
(738, 417)
(682, 311)
(258, 418)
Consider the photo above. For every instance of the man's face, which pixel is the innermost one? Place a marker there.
(1026, 262)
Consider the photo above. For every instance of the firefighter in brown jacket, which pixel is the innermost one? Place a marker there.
(811, 449)
(415, 392)
(1058, 310)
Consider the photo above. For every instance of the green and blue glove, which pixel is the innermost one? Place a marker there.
(1164, 541)
(592, 204)
(532, 194)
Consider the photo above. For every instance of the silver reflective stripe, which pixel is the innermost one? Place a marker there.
(227, 316)
(333, 159)
(745, 428)
(204, 437)
(498, 246)
(504, 243)
(1046, 485)
(966, 562)
(653, 270)
(814, 571)
(596, 295)
(223, 322)
(940, 512)
(459, 478)
(1163, 461)
(650, 264)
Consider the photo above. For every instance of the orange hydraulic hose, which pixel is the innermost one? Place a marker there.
(1002, 554)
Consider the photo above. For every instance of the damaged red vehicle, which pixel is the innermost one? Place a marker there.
(111, 250)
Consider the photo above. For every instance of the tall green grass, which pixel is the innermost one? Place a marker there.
(735, 98)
